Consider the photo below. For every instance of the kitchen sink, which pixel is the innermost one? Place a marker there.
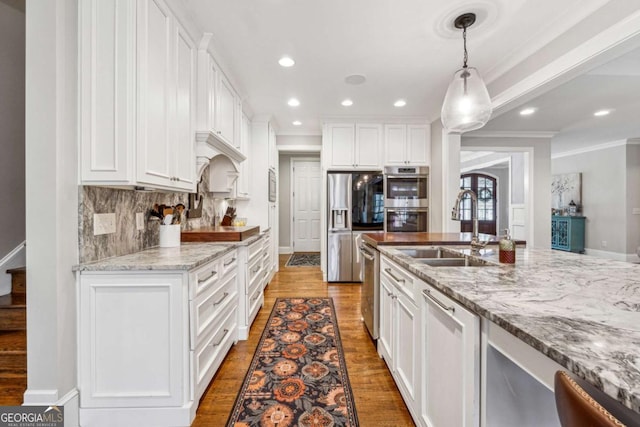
(453, 262)
(431, 253)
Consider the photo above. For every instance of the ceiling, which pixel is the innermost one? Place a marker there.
(568, 109)
(406, 49)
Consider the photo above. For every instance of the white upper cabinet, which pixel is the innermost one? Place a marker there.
(353, 146)
(137, 96)
(107, 91)
(219, 108)
(226, 110)
(245, 141)
(407, 145)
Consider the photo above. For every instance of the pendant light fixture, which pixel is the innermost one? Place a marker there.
(467, 105)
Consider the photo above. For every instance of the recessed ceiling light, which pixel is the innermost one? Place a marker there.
(293, 102)
(297, 123)
(347, 103)
(285, 61)
(355, 79)
(400, 103)
(602, 113)
(528, 111)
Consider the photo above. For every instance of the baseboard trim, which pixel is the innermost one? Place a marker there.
(617, 256)
(284, 250)
(16, 258)
(70, 402)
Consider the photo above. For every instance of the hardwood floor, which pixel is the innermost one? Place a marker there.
(378, 401)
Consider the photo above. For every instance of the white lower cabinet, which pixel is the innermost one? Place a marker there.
(252, 295)
(431, 345)
(150, 341)
(450, 340)
(399, 330)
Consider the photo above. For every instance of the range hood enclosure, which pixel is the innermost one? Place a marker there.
(223, 158)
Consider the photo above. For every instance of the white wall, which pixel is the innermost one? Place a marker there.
(284, 204)
(610, 180)
(12, 190)
(633, 198)
(299, 141)
(51, 199)
(537, 189)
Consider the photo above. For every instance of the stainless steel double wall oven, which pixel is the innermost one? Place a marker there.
(406, 198)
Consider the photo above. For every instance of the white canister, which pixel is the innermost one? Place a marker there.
(169, 236)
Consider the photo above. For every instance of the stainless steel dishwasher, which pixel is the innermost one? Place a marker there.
(370, 294)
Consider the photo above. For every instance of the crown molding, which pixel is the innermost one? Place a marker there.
(510, 134)
(596, 147)
(310, 132)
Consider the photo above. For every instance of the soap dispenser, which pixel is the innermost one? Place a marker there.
(507, 249)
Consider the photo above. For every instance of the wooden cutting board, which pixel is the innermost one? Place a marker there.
(219, 234)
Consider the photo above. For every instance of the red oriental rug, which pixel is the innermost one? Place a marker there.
(298, 376)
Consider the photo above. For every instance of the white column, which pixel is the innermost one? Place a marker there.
(51, 202)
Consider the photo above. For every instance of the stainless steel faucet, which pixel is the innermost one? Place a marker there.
(476, 243)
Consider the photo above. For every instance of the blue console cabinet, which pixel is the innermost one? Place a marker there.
(567, 233)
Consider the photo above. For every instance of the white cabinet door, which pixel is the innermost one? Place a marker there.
(387, 311)
(406, 351)
(184, 112)
(155, 77)
(418, 145)
(272, 149)
(225, 110)
(341, 142)
(450, 363)
(395, 143)
(107, 94)
(242, 187)
(148, 326)
(368, 144)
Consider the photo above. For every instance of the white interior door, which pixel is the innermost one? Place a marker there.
(306, 178)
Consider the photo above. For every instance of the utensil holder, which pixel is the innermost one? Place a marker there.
(169, 236)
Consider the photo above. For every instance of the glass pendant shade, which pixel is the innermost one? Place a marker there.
(467, 105)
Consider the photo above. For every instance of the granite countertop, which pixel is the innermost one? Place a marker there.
(397, 239)
(183, 257)
(583, 312)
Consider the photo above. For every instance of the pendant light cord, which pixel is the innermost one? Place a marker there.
(464, 38)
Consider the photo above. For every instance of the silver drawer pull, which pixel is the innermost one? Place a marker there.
(443, 306)
(255, 298)
(215, 344)
(388, 270)
(213, 273)
(226, 294)
(230, 262)
(255, 270)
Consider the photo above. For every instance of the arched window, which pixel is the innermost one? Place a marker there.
(485, 187)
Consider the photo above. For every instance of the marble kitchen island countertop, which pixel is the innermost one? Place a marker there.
(583, 312)
(183, 257)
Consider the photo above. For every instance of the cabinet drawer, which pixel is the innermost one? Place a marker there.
(254, 250)
(206, 309)
(229, 262)
(255, 302)
(208, 356)
(398, 276)
(204, 278)
(253, 274)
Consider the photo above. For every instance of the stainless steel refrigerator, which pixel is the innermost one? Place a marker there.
(355, 205)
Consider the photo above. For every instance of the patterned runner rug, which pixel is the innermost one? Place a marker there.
(298, 376)
(304, 260)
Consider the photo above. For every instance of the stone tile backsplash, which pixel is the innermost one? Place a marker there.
(125, 204)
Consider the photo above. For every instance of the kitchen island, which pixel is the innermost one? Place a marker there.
(401, 239)
(581, 312)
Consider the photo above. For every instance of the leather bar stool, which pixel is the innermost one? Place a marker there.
(576, 408)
